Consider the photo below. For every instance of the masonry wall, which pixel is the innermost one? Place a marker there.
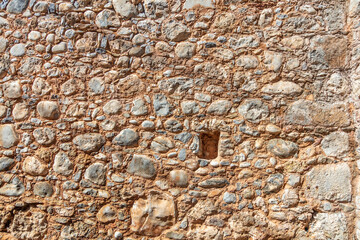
(179, 119)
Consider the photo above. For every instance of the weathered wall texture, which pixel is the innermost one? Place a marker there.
(179, 119)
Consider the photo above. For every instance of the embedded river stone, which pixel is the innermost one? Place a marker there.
(142, 166)
(282, 148)
(8, 136)
(127, 137)
(48, 110)
(89, 142)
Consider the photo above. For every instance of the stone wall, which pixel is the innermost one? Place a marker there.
(179, 119)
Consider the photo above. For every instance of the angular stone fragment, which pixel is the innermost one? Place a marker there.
(161, 144)
(139, 107)
(175, 31)
(274, 183)
(305, 112)
(282, 148)
(272, 60)
(89, 142)
(156, 8)
(153, 215)
(125, 8)
(3, 44)
(247, 62)
(96, 86)
(12, 89)
(229, 197)
(142, 166)
(34, 166)
(219, 107)
(336, 144)
(8, 136)
(17, 6)
(189, 107)
(245, 41)
(62, 164)
(329, 182)
(333, 225)
(127, 137)
(59, 48)
(254, 110)
(44, 136)
(202, 209)
(41, 87)
(48, 110)
(200, 3)
(185, 50)
(107, 214)
(96, 173)
(6, 163)
(282, 87)
(173, 125)
(13, 188)
(214, 183)
(112, 107)
(43, 189)
(161, 105)
(179, 178)
(107, 18)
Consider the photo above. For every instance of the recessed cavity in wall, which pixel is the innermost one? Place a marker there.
(209, 142)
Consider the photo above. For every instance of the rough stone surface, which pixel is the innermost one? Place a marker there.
(329, 182)
(179, 119)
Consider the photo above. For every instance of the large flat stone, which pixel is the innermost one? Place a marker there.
(308, 113)
(329, 182)
(332, 225)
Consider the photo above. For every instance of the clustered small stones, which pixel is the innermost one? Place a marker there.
(179, 119)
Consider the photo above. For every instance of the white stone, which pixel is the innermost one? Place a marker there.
(336, 144)
(18, 50)
(329, 226)
(282, 87)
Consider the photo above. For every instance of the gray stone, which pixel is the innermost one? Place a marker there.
(14, 188)
(156, 8)
(329, 182)
(214, 183)
(282, 87)
(202, 97)
(329, 226)
(189, 107)
(89, 142)
(336, 144)
(266, 17)
(125, 8)
(282, 148)
(12, 89)
(219, 107)
(96, 86)
(6, 163)
(62, 164)
(183, 137)
(175, 31)
(41, 87)
(8, 136)
(142, 166)
(96, 173)
(274, 183)
(201, 3)
(182, 154)
(185, 50)
(107, 18)
(44, 136)
(173, 125)
(161, 144)
(148, 125)
(139, 107)
(18, 50)
(112, 107)
(229, 197)
(161, 105)
(48, 110)
(244, 42)
(254, 110)
(43, 189)
(179, 178)
(305, 112)
(17, 6)
(107, 214)
(127, 137)
(34, 166)
(247, 62)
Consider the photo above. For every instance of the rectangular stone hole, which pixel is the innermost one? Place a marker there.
(209, 143)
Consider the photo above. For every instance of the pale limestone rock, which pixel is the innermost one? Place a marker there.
(336, 144)
(20, 111)
(89, 142)
(161, 144)
(185, 50)
(12, 89)
(329, 224)
(112, 107)
(62, 164)
(329, 182)
(8, 136)
(125, 8)
(34, 166)
(200, 3)
(142, 166)
(179, 178)
(106, 214)
(48, 110)
(18, 50)
(282, 87)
